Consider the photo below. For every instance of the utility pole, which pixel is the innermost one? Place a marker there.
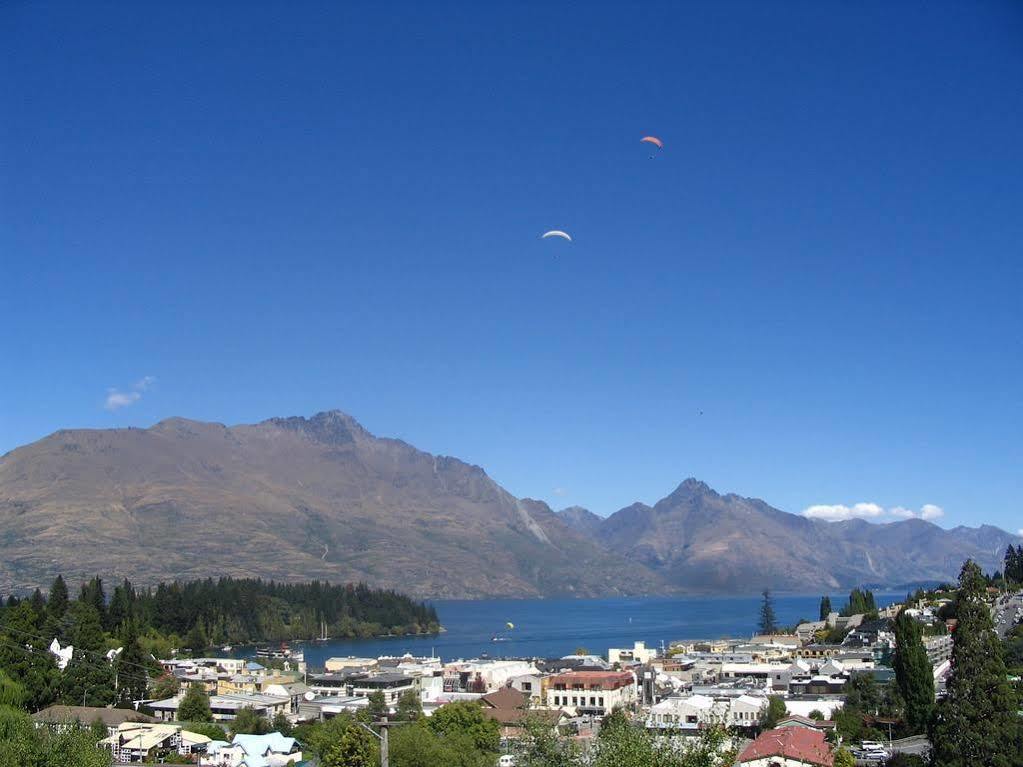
(383, 737)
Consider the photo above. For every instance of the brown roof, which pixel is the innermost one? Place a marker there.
(514, 717)
(505, 698)
(798, 743)
(817, 724)
(111, 717)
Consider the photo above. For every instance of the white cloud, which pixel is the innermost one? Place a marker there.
(1020, 532)
(839, 512)
(560, 491)
(116, 399)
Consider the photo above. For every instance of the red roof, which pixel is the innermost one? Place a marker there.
(800, 743)
(608, 680)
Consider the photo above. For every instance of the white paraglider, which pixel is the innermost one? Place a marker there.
(556, 233)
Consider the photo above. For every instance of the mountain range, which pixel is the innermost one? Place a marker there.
(300, 498)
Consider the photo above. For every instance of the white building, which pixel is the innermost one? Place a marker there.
(135, 742)
(272, 750)
(698, 711)
(592, 692)
(529, 684)
(639, 653)
(340, 664)
(483, 675)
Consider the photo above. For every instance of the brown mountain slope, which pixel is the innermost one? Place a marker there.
(704, 540)
(287, 498)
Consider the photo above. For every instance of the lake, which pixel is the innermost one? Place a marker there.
(556, 627)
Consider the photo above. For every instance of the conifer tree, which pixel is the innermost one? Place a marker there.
(58, 599)
(130, 668)
(913, 673)
(978, 722)
(768, 622)
(825, 608)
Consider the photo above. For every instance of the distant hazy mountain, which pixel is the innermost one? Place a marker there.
(702, 540)
(298, 498)
(583, 520)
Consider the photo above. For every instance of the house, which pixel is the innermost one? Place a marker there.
(698, 711)
(510, 708)
(687, 712)
(112, 718)
(592, 692)
(272, 750)
(135, 742)
(639, 653)
(226, 707)
(794, 720)
(788, 747)
(530, 684)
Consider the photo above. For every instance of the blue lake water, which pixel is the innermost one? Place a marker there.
(556, 627)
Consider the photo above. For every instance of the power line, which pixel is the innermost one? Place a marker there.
(46, 649)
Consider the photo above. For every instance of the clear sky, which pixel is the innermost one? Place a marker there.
(812, 295)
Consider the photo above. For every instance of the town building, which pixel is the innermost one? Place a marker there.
(134, 742)
(638, 653)
(592, 692)
(788, 747)
(272, 750)
(226, 707)
(112, 718)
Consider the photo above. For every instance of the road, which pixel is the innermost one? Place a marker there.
(918, 745)
(1004, 615)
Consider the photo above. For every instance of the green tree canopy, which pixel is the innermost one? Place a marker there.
(58, 600)
(88, 680)
(913, 674)
(978, 721)
(248, 722)
(130, 667)
(195, 706)
(409, 707)
(776, 711)
(467, 717)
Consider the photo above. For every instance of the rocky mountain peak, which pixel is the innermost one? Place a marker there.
(331, 427)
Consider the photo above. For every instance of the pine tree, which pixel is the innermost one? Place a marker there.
(93, 594)
(88, 680)
(978, 722)
(825, 607)
(913, 673)
(58, 600)
(130, 668)
(84, 629)
(768, 622)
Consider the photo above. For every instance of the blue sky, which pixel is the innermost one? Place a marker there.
(811, 295)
